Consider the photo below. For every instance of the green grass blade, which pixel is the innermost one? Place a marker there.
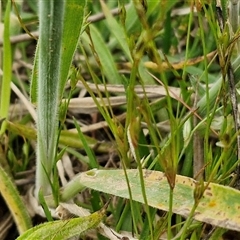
(57, 43)
(34, 77)
(50, 35)
(7, 68)
(116, 30)
(218, 206)
(105, 57)
(72, 28)
(15, 204)
(92, 160)
(63, 229)
(44, 206)
(67, 138)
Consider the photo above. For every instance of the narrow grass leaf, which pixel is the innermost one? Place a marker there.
(213, 92)
(92, 160)
(72, 28)
(117, 30)
(219, 205)
(132, 21)
(106, 59)
(44, 205)
(71, 139)
(67, 138)
(15, 204)
(7, 68)
(34, 77)
(49, 58)
(63, 229)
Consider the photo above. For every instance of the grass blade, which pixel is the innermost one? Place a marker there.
(67, 138)
(73, 16)
(7, 68)
(105, 57)
(116, 30)
(92, 160)
(63, 229)
(211, 208)
(13, 200)
(50, 29)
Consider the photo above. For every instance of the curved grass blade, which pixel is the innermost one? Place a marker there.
(15, 204)
(67, 138)
(63, 229)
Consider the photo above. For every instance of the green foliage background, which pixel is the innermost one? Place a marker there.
(145, 85)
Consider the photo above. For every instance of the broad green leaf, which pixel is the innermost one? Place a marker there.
(60, 24)
(63, 229)
(219, 205)
(73, 16)
(48, 69)
(15, 203)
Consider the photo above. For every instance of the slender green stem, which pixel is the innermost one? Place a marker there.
(169, 229)
(7, 68)
(136, 155)
(188, 222)
(188, 41)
